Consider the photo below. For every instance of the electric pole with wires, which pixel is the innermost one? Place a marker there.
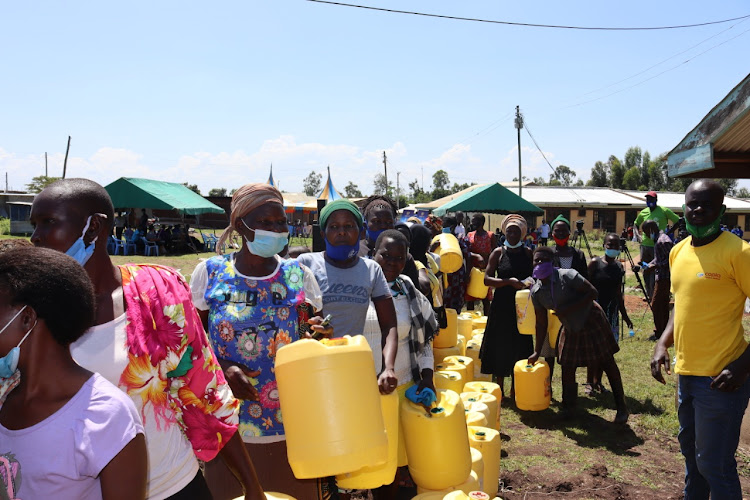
(519, 126)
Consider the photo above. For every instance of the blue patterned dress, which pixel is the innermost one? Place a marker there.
(249, 320)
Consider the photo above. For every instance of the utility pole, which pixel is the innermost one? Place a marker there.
(46, 174)
(385, 168)
(519, 126)
(65, 163)
(398, 191)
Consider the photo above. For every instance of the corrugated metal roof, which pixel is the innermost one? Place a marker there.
(736, 139)
(560, 196)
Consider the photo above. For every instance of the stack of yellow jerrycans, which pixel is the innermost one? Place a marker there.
(532, 382)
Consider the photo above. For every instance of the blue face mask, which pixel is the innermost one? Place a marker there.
(508, 245)
(651, 204)
(9, 362)
(341, 252)
(612, 253)
(78, 250)
(266, 243)
(373, 235)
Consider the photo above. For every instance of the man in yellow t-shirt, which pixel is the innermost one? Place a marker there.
(710, 279)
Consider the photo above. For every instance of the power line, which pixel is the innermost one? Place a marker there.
(528, 25)
(526, 126)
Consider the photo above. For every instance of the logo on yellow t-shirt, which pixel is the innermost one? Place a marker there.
(710, 276)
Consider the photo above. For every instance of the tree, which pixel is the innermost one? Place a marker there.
(565, 175)
(729, 185)
(192, 187)
(616, 172)
(417, 195)
(379, 184)
(646, 169)
(218, 192)
(440, 184)
(539, 181)
(40, 182)
(352, 191)
(742, 192)
(599, 175)
(460, 187)
(632, 178)
(312, 184)
(633, 157)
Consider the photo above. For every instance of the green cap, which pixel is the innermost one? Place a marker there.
(340, 204)
(560, 218)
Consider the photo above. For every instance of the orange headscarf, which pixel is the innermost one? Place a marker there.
(245, 200)
(515, 220)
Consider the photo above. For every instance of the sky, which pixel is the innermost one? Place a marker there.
(213, 93)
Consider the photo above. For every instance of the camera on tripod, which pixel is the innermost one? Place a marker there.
(579, 226)
(623, 244)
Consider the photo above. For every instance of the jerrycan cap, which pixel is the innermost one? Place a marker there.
(437, 410)
(472, 400)
(452, 377)
(478, 495)
(479, 434)
(462, 361)
(482, 389)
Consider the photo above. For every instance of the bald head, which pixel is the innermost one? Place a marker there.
(84, 196)
(707, 187)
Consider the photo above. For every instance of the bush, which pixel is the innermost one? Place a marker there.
(4, 226)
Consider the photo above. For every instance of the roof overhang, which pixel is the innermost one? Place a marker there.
(719, 146)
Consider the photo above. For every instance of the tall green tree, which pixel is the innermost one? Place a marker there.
(351, 190)
(312, 184)
(616, 172)
(599, 175)
(40, 182)
(646, 169)
(218, 192)
(379, 184)
(440, 184)
(633, 157)
(632, 178)
(417, 194)
(565, 175)
(742, 192)
(460, 187)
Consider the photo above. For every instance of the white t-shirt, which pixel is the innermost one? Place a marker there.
(63, 455)
(460, 231)
(172, 463)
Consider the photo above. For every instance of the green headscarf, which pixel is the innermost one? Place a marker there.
(340, 204)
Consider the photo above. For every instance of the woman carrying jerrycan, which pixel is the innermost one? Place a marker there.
(585, 339)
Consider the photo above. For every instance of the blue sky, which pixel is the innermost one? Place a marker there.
(213, 93)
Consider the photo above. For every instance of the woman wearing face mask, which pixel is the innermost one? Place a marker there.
(64, 431)
(349, 283)
(585, 338)
(248, 302)
(606, 273)
(507, 269)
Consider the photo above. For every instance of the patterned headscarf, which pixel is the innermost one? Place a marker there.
(515, 220)
(245, 200)
(435, 223)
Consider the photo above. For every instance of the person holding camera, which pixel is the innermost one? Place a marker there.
(662, 216)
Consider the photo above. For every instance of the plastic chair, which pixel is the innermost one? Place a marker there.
(111, 249)
(149, 247)
(129, 247)
(118, 246)
(209, 242)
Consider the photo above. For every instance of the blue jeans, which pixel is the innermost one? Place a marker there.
(709, 433)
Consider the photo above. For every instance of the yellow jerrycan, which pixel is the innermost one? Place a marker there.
(472, 351)
(487, 441)
(350, 433)
(461, 344)
(378, 475)
(272, 496)
(462, 360)
(454, 367)
(451, 258)
(470, 484)
(436, 441)
(472, 495)
(477, 465)
(487, 388)
(476, 418)
(440, 353)
(477, 335)
(446, 337)
(493, 405)
(553, 327)
(448, 380)
(479, 323)
(476, 287)
(477, 406)
(464, 324)
(525, 318)
(532, 385)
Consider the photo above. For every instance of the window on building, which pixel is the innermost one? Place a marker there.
(582, 212)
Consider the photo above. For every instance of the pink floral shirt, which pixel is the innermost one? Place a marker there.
(171, 364)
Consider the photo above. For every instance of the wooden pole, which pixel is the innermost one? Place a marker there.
(65, 163)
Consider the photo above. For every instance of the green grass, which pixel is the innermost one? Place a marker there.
(4, 226)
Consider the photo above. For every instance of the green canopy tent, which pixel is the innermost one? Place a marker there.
(129, 192)
(491, 199)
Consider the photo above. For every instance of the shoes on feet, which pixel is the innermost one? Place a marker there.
(621, 417)
(588, 389)
(653, 338)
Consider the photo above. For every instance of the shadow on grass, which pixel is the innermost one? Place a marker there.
(586, 429)
(606, 401)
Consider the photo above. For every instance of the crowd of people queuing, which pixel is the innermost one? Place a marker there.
(141, 381)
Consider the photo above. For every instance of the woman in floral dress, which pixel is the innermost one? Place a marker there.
(249, 302)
